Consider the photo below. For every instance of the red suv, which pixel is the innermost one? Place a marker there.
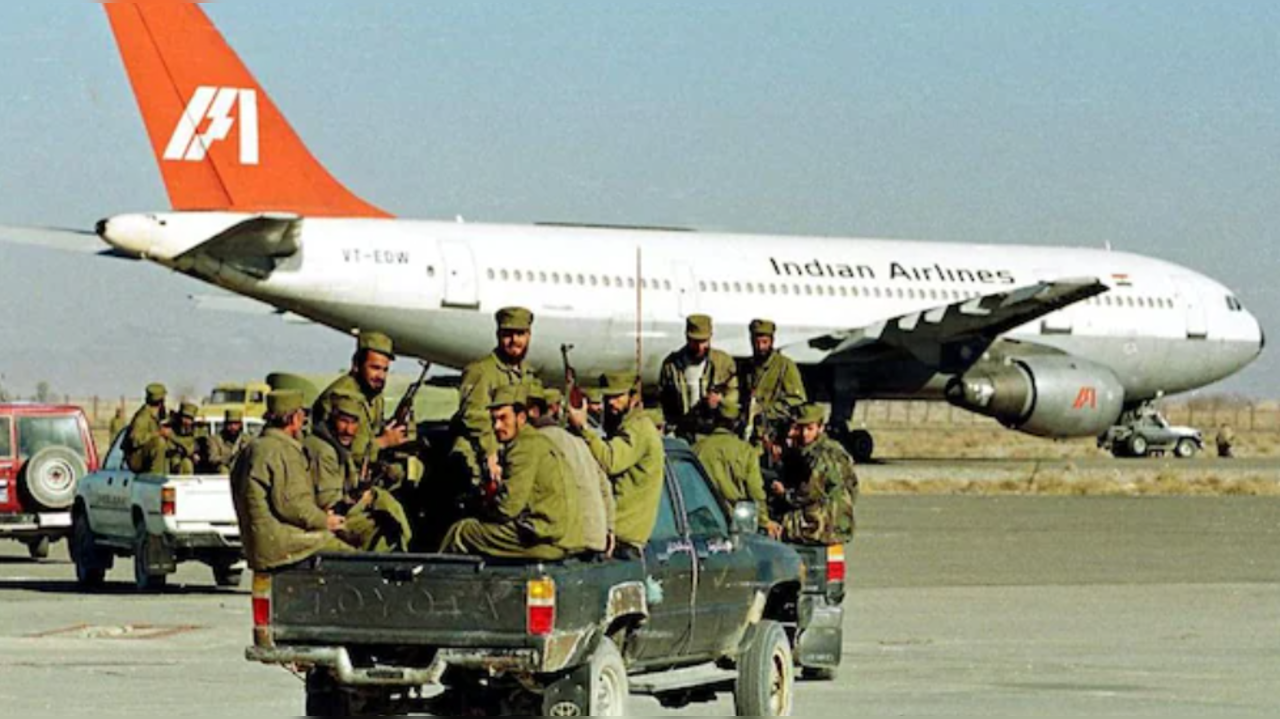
(44, 451)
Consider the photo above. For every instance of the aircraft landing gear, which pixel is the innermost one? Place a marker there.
(859, 443)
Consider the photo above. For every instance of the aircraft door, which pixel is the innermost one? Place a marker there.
(1197, 312)
(1061, 322)
(461, 282)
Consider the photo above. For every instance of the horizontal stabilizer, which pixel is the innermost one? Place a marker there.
(256, 246)
(950, 338)
(53, 238)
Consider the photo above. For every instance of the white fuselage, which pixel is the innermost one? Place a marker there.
(613, 293)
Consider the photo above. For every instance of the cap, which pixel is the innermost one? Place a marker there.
(283, 403)
(515, 319)
(617, 383)
(594, 395)
(730, 411)
(376, 342)
(347, 405)
(698, 328)
(234, 415)
(156, 393)
(189, 410)
(536, 392)
(811, 414)
(554, 397)
(510, 396)
(763, 327)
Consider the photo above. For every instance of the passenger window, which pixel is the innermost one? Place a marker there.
(115, 457)
(6, 438)
(666, 528)
(706, 516)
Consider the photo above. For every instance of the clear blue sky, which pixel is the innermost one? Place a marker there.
(1152, 126)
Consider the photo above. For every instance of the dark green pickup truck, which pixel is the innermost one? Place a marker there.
(384, 634)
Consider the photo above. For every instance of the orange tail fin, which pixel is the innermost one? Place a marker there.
(222, 144)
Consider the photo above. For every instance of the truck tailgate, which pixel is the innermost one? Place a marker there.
(376, 600)
(203, 500)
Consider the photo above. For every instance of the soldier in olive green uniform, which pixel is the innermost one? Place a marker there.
(535, 515)
(366, 381)
(476, 449)
(147, 443)
(819, 487)
(281, 522)
(118, 423)
(734, 466)
(220, 450)
(1226, 441)
(376, 521)
(183, 451)
(695, 379)
(633, 457)
(772, 381)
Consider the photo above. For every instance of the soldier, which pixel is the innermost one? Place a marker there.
(281, 522)
(555, 405)
(1226, 441)
(146, 445)
(595, 408)
(118, 423)
(734, 466)
(477, 448)
(220, 449)
(695, 380)
(595, 493)
(366, 381)
(632, 456)
(376, 521)
(819, 487)
(775, 389)
(535, 515)
(183, 451)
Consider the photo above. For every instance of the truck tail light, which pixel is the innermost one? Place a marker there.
(262, 636)
(542, 607)
(169, 501)
(837, 569)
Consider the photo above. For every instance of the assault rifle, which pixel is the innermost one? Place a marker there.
(577, 399)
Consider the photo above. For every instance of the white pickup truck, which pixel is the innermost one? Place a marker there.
(158, 521)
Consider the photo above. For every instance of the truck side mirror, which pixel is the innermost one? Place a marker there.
(746, 518)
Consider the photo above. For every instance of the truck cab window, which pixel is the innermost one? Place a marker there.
(6, 438)
(706, 515)
(666, 528)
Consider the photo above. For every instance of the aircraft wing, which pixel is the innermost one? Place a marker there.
(950, 338)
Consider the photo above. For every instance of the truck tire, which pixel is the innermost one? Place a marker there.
(1187, 449)
(39, 548)
(49, 478)
(766, 674)
(143, 579)
(610, 686)
(228, 575)
(92, 562)
(1138, 446)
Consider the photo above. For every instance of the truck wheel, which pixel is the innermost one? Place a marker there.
(90, 560)
(39, 548)
(1187, 449)
(766, 674)
(610, 685)
(49, 478)
(1138, 446)
(143, 579)
(228, 576)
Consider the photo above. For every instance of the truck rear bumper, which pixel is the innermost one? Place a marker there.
(338, 660)
(201, 541)
(34, 526)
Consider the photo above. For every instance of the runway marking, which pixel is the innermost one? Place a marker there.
(129, 632)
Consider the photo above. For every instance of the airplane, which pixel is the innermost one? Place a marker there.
(1054, 342)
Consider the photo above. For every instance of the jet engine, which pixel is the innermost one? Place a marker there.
(1052, 397)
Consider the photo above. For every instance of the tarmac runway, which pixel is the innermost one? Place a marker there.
(960, 605)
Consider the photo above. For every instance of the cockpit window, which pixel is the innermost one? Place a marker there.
(1235, 305)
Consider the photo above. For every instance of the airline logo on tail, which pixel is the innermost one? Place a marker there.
(223, 108)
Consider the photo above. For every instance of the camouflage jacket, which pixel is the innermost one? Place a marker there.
(822, 489)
